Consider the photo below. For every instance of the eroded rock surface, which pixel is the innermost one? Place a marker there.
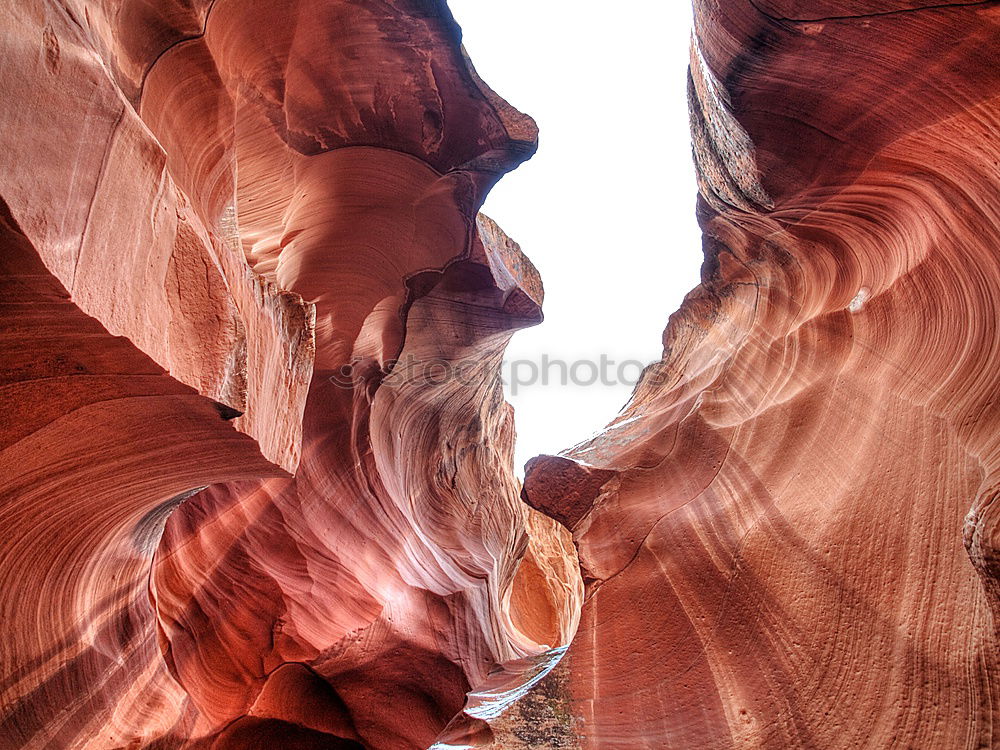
(256, 484)
(239, 508)
(791, 538)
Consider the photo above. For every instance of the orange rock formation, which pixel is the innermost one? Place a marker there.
(790, 536)
(222, 224)
(247, 502)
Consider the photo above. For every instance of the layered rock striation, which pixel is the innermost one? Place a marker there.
(789, 537)
(256, 478)
(239, 508)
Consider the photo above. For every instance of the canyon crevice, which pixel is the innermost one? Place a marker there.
(239, 244)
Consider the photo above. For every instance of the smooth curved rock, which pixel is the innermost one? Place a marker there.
(241, 509)
(256, 482)
(791, 538)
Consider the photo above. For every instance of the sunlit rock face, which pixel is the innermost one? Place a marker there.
(790, 535)
(240, 505)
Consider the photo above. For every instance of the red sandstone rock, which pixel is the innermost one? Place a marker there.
(238, 244)
(794, 541)
(223, 225)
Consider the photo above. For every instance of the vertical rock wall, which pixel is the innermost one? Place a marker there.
(241, 508)
(789, 536)
(256, 480)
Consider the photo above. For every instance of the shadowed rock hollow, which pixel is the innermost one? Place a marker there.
(239, 243)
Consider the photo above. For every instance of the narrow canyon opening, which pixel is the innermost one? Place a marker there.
(257, 484)
(605, 210)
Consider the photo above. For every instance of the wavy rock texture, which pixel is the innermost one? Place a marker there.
(245, 508)
(240, 509)
(790, 536)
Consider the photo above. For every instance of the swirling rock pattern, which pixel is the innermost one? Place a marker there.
(255, 462)
(239, 508)
(790, 535)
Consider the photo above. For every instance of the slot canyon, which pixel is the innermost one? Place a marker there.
(246, 501)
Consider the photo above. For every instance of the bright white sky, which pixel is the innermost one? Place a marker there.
(605, 209)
